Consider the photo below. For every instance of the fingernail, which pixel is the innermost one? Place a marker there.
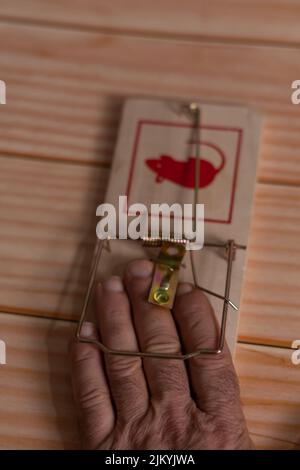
(184, 288)
(113, 284)
(87, 329)
(141, 268)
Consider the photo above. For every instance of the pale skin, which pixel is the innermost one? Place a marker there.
(133, 403)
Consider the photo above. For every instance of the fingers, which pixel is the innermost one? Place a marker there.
(125, 373)
(213, 378)
(90, 388)
(156, 332)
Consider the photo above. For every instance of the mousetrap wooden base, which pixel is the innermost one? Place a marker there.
(155, 163)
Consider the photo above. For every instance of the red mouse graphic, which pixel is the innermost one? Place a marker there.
(183, 172)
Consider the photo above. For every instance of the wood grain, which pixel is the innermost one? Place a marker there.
(65, 90)
(36, 405)
(250, 20)
(47, 233)
(66, 81)
(270, 296)
(268, 443)
(270, 391)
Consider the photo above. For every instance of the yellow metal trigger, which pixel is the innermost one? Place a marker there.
(165, 276)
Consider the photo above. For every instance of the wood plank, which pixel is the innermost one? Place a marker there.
(270, 299)
(270, 392)
(36, 405)
(268, 443)
(65, 88)
(47, 232)
(264, 21)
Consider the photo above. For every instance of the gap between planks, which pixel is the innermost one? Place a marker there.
(163, 36)
(107, 165)
(53, 159)
(276, 439)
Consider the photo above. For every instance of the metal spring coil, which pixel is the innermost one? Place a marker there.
(157, 241)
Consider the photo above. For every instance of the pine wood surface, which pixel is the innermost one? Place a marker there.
(267, 21)
(68, 71)
(66, 89)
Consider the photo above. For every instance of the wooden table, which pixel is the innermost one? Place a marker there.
(67, 69)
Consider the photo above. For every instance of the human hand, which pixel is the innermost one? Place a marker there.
(127, 402)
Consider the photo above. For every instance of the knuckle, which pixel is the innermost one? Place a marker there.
(81, 353)
(91, 396)
(195, 314)
(208, 333)
(198, 304)
(165, 342)
(115, 318)
(121, 366)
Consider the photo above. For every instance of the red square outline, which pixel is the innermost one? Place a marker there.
(239, 132)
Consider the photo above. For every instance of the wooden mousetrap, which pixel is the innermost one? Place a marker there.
(187, 153)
